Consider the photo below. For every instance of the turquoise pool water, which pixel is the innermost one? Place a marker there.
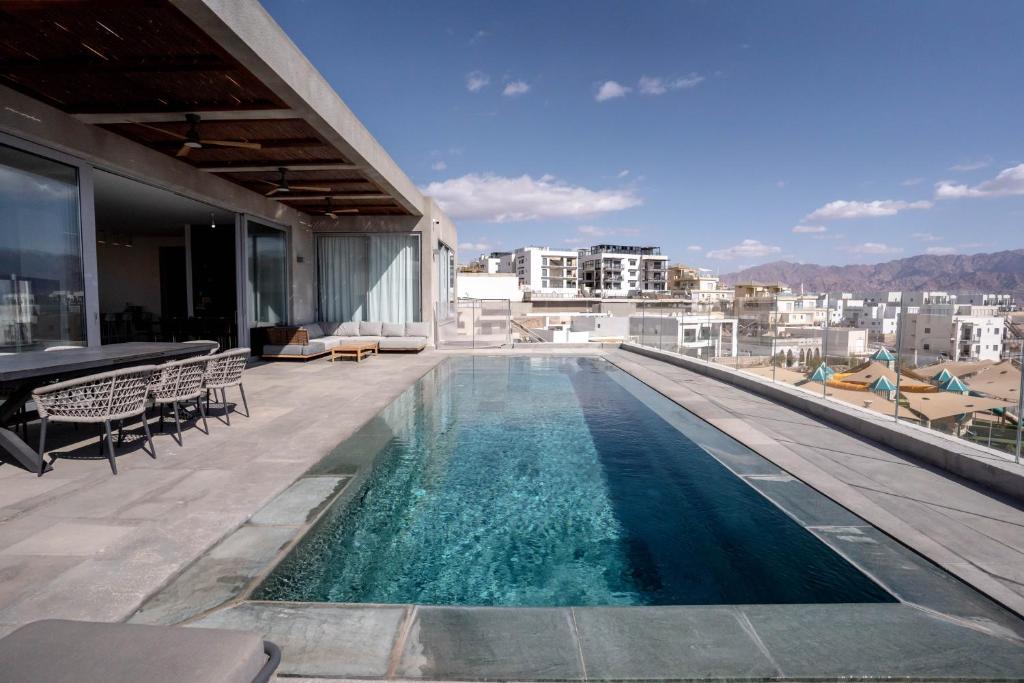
(529, 481)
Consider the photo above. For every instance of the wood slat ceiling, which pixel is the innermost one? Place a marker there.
(145, 57)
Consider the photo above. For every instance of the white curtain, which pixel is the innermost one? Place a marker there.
(394, 292)
(444, 282)
(369, 277)
(342, 277)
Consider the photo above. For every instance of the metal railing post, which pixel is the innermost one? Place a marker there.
(1020, 401)
(774, 330)
(824, 353)
(900, 321)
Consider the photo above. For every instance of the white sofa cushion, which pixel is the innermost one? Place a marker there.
(417, 329)
(392, 330)
(369, 328)
(349, 329)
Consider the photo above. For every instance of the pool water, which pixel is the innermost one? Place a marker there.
(529, 481)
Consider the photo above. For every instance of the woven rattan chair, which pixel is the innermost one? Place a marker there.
(224, 370)
(103, 398)
(215, 349)
(177, 382)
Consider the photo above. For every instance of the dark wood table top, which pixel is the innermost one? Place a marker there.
(31, 364)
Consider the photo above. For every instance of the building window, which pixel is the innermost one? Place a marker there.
(927, 330)
(927, 346)
(42, 290)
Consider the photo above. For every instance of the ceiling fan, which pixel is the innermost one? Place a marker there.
(192, 140)
(282, 184)
(332, 213)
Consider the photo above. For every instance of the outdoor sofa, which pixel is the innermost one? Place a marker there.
(313, 339)
(60, 651)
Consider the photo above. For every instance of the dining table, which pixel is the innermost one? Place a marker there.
(21, 373)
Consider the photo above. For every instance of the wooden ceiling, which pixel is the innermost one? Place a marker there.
(138, 67)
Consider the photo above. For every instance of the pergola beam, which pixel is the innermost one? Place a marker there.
(179, 116)
(289, 197)
(290, 167)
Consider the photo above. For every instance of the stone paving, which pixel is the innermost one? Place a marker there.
(185, 537)
(80, 543)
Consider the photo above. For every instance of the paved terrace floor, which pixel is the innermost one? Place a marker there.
(80, 543)
(968, 531)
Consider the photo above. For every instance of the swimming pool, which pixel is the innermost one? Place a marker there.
(545, 481)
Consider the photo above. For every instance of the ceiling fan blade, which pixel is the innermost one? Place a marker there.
(267, 182)
(233, 143)
(161, 130)
(310, 188)
(183, 152)
(273, 192)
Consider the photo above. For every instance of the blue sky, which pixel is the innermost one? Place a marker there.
(727, 133)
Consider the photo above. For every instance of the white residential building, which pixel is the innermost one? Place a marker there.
(617, 270)
(958, 332)
(544, 270)
(692, 335)
(488, 263)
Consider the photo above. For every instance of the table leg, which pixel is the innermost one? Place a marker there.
(13, 445)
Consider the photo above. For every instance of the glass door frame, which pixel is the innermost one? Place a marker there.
(242, 221)
(86, 222)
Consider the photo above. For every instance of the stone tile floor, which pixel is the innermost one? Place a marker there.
(80, 543)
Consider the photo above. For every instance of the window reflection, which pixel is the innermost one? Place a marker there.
(41, 284)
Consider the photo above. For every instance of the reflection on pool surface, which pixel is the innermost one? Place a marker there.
(528, 481)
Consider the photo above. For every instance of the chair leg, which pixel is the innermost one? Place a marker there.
(149, 437)
(120, 433)
(244, 402)
(202, 412)
(177, 423)
(42, 445)
(110, 446)
(161, 418)
(224, 400)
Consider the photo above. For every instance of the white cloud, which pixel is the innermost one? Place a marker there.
(695, 247)
(842, 208)
(875, 248)
(926, 237)
(656, 85)
(910, 182)
(610, 90)
(502, 199)
(477, 81)
(623, 173)
(478, 36)
(516, 88)
(476, 247)
(439, 165)
(940, 251)
(809, 228)
(1009, 181)
(971, 165)
(745, 249)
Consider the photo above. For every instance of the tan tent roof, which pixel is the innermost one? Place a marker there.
(874, 370)
(962, 369)
(781, 374)
(864, 399)
(1001, 380)
(947, 404)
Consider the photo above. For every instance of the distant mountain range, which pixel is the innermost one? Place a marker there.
(1002, 271)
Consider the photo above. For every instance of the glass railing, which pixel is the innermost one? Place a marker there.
(891, 359)
(477, 324)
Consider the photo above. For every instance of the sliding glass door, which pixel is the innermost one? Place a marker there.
(369, 277)
(267, 286)
(42, 290)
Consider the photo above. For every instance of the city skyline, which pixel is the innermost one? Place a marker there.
(730, 135)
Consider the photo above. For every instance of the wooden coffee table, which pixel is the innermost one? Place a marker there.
(357, 350)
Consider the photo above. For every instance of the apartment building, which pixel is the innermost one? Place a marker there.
(487, 263)
(958, 332)
(699, 285)
(620, 270)
(544, 270)
(879, 319)
(692, 335)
